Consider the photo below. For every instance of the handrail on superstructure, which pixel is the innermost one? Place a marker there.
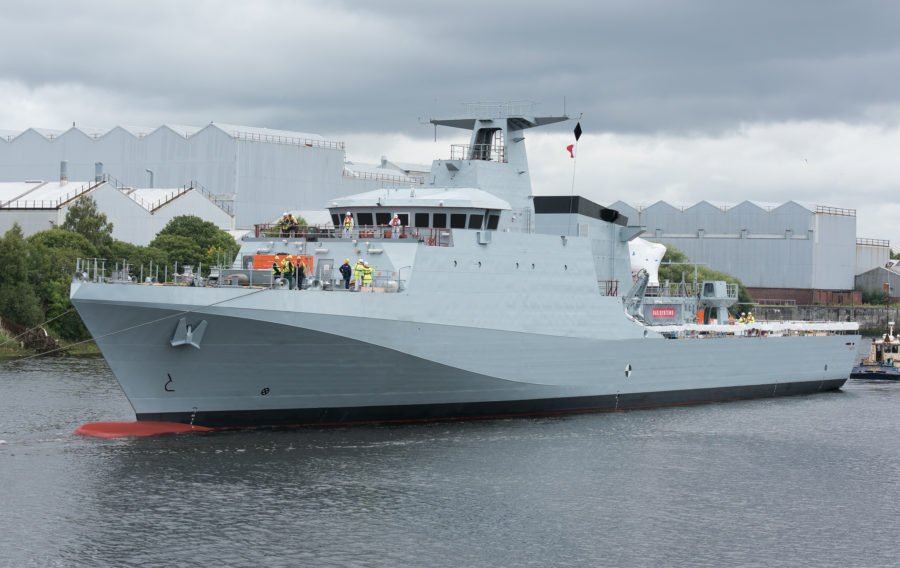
(367, 176)
(609, 287)
(426, 235)
(486, 152)
(291, 140)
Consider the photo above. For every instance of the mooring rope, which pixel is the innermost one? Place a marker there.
(135, 326)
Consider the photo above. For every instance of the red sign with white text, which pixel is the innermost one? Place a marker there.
(663, 312)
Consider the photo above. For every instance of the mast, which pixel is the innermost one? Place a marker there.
(495, 159)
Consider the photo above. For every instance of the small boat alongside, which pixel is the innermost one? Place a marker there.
(882, 361)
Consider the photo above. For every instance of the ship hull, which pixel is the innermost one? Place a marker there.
(282, 358)
(486, 410)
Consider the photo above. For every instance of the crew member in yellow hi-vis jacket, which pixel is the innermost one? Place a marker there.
(367, 275)
(287, 269)
(358, 274)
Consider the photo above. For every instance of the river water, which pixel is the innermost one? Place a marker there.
(801, 481)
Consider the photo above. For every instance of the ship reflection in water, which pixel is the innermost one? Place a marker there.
(808, 480)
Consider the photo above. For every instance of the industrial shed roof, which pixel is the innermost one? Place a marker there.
(184, 130)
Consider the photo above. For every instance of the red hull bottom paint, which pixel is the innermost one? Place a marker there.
(134, 428)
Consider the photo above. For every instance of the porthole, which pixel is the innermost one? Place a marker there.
(479, 264)
(517, 266)
(532, 266)
(628, 370)
(565, 266)
(454, 263)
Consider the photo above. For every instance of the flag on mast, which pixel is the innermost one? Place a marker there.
(571, 147)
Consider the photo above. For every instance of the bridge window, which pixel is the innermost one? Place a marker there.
(336, 219)
(421, 219)
(475, 221)
(458, 221)
(365, 219)
(383, 218)
(493, 221)
(439, 221)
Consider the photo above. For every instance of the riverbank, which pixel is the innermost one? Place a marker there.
(11, 348)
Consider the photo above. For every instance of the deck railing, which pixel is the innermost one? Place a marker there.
(428, 236)
(487, 152)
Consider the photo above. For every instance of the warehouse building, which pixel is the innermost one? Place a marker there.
(787, 252)
(254, 173)
(136, 214)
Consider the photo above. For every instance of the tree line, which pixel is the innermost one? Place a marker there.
(34, 285)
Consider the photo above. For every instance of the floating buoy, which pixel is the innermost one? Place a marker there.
(136, 428)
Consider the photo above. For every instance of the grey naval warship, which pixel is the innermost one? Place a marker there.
(488, 301)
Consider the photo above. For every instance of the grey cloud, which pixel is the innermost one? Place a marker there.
(676, 66)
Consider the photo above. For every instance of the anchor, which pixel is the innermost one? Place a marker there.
(188, 335)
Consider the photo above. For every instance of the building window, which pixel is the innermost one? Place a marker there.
(458, 221)
(439, 221)
(421, 219)
(475, 221)
(493, 222)
(364, 219)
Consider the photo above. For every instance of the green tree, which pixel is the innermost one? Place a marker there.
(182, 234)
(85, 218)
(54, 254)
(18, 300)
(183, 250)
(673, 273)
(895, 254)
(148, 257)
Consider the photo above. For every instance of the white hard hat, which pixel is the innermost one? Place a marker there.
(285, 213)
(348, 212)
(366, 264)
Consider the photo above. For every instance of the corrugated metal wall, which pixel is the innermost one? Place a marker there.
(262, 177)
(788, 246)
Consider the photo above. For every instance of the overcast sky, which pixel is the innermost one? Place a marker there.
(679, 100)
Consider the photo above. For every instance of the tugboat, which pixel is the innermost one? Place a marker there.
(883, 362)
(488, 301)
